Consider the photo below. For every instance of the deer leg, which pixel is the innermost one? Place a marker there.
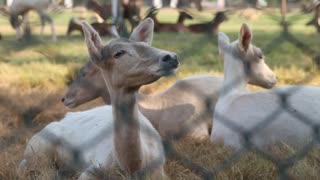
(27, 30)
(115, 16)
(45, 17)
(43, 22)
(18, 32)
(53, 32)
(157, 3)
(173, 3)
(26, 20)
(198, 4)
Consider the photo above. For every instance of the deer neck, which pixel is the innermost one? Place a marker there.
(126, 130)
(235, 81)
(215, 23)
(181, 19)
(105, 96)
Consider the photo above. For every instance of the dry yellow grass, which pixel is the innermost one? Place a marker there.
(47, 108)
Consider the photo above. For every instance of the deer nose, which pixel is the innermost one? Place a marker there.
(275, 80)
(170, 60)
(62, 99)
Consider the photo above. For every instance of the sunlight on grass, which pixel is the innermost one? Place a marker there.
(44, 63)
(46, 75)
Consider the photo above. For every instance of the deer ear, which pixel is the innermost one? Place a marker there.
(223, 42)
(245, 37)
(143, 32)
(93, 41)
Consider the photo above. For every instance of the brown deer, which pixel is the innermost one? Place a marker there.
(104, 11)
(315, 21)
(126, 65)
(104, 29)
(18, 14)
(130, 10)
(210, 27)
(169, 27)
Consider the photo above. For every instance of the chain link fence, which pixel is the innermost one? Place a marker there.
(29, 114)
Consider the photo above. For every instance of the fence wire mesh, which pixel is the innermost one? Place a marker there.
(29, 113)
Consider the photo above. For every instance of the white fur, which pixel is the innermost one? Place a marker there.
(247, 109)
(19, 7)
(91, 133)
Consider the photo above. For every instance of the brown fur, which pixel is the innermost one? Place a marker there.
(315, 21)
(104, 29)
(131, 10)
(126, 65)
(169, 27)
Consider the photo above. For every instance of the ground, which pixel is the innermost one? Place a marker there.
(34, 76)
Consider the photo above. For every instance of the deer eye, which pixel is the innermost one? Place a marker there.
(260, 56)
(118, 54)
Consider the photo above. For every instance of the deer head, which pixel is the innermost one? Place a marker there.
(183, 15)
(88, 85)
(220, 17)
(245, 59)
(127, 64)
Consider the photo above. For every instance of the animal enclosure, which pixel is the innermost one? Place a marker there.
(35, 74)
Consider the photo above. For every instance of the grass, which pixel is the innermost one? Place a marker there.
(34, 75)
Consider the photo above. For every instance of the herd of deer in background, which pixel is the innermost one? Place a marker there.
(130, 11)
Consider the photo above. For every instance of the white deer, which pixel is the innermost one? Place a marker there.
(238, 109)
(121, 135)
(20, 8)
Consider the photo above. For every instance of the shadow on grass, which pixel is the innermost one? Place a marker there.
(50, 51)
